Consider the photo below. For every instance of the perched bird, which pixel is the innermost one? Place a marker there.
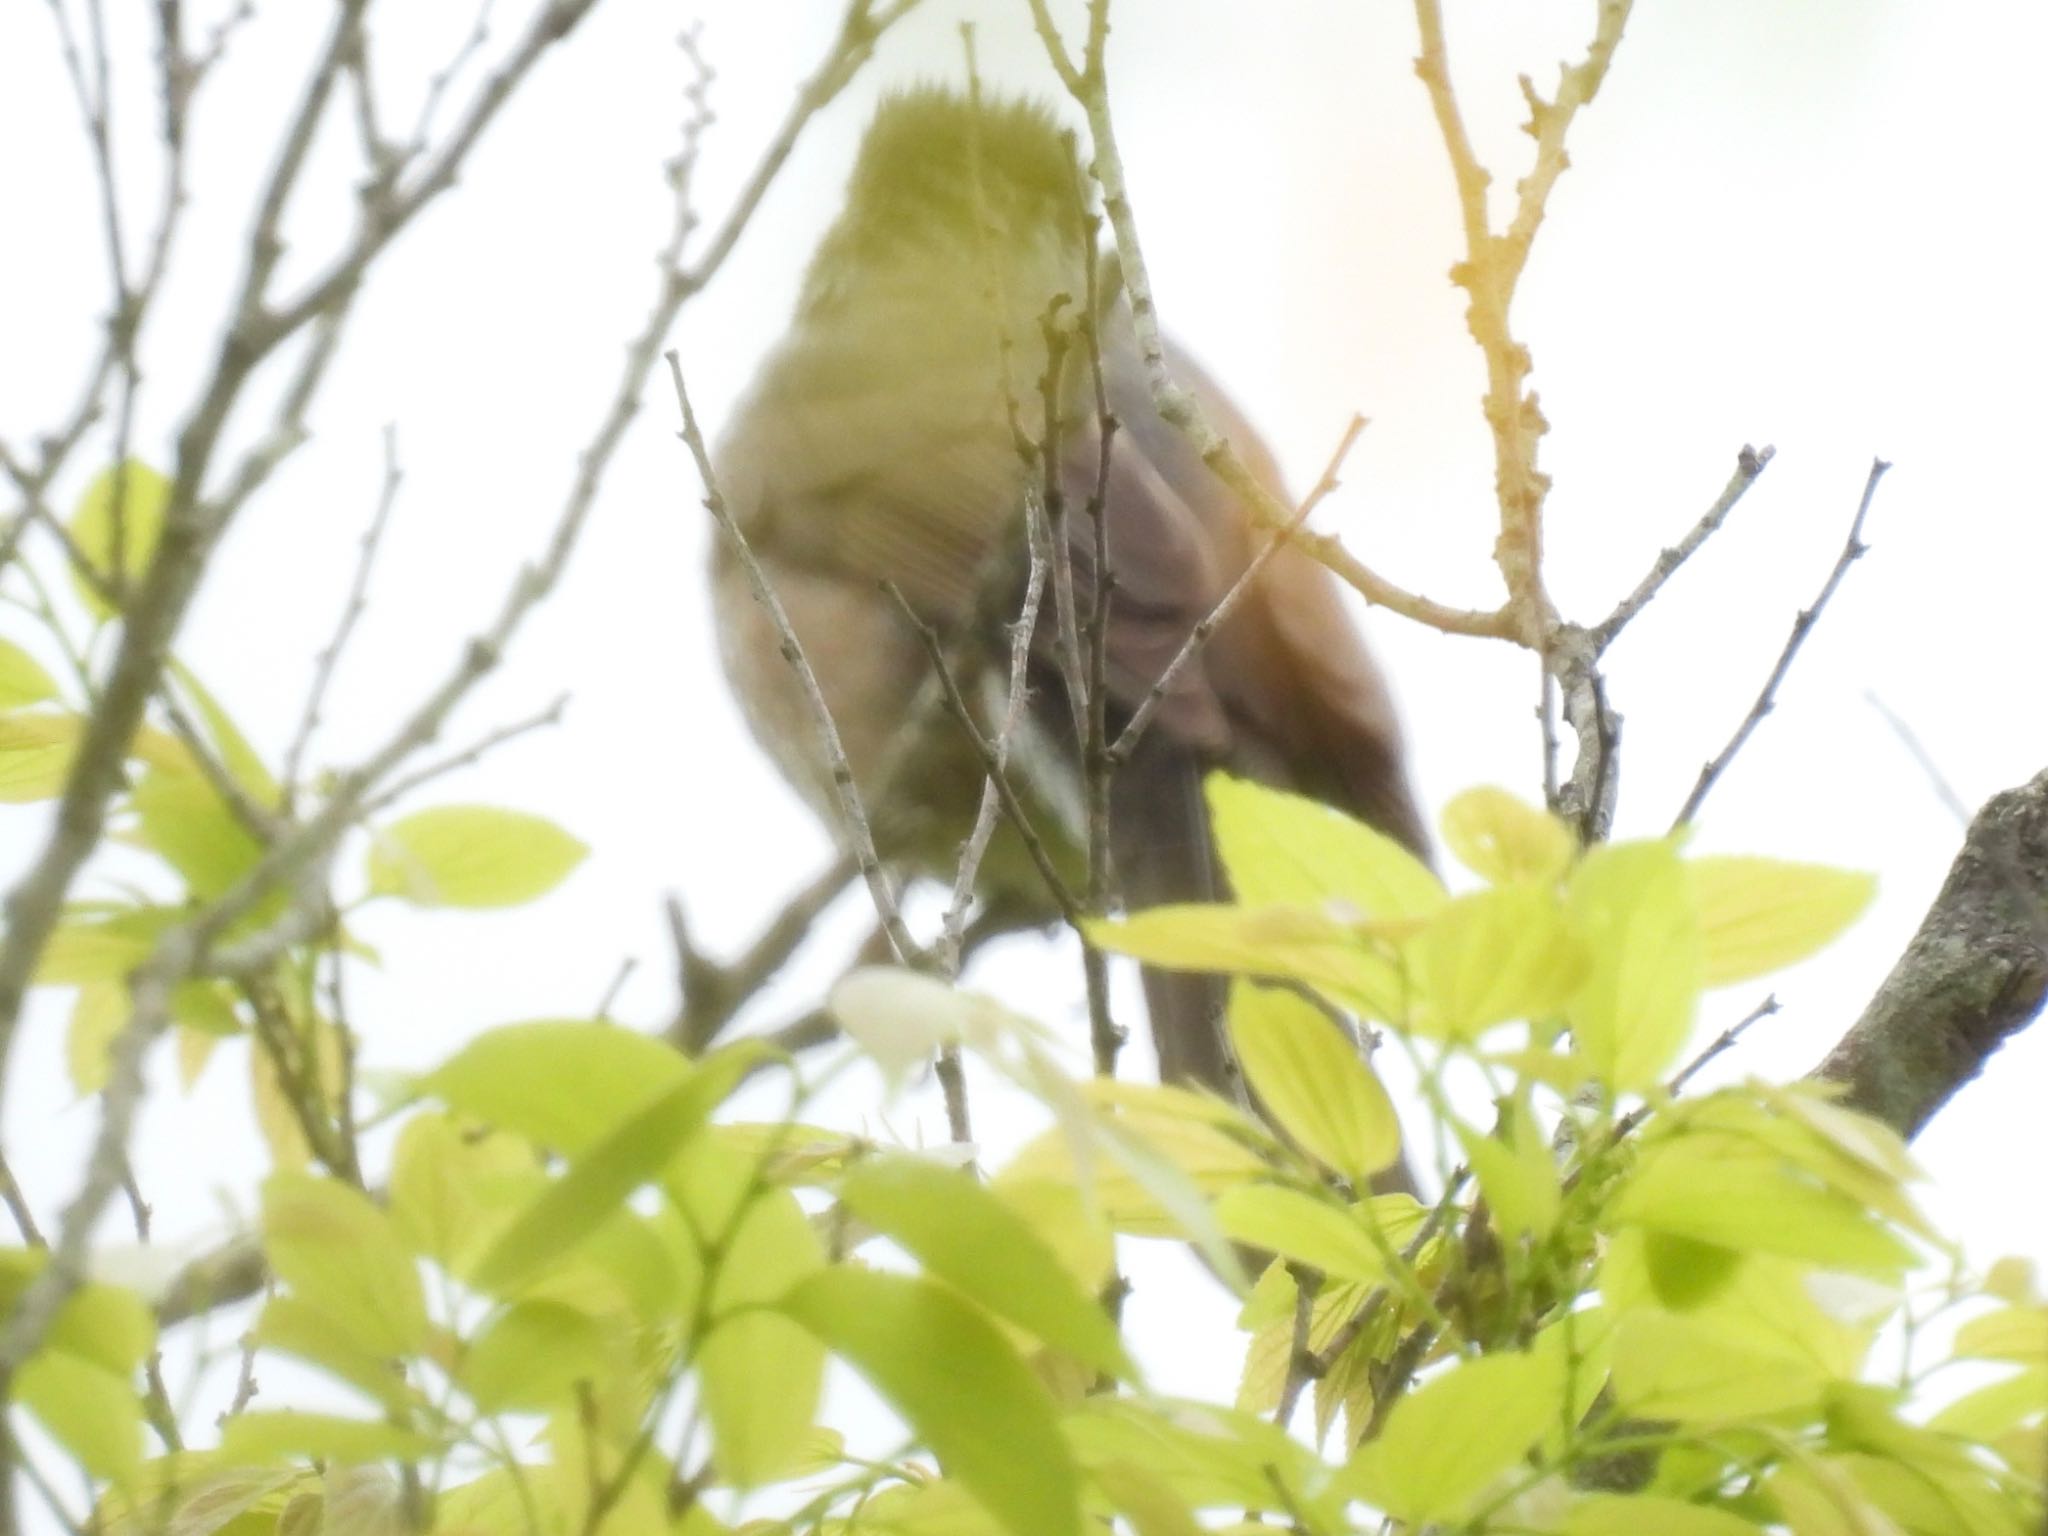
(880, 442)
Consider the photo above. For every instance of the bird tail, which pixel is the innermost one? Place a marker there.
(1159, 836)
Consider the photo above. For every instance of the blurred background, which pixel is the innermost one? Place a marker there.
(1808, 226)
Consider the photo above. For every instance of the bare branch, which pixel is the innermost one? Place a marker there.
(853, 817)
(712, 993)
(1134, 730)
(991, 765)
(352, 610)
(1749, 464)
(1801, 627)
(1176, 406)
(1974, 975)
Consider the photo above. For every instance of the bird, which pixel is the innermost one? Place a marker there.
(880, 461)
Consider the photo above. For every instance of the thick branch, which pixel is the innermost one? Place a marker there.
(1975, 974)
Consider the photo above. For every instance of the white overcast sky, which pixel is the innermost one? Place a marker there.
(1814, 225)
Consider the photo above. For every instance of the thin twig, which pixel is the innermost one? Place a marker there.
(1178, 407)
(711, 993)
(1128, 738)
(18, 1208)
(1802, 626)
(1749, 464)
(1944, 791)
(1301, 1360)
(352, 609)
(853, 817)
(992, 767)
(469, 756)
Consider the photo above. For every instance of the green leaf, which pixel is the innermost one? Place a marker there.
(532, 1355)
(35, 755)
(1517, 1172)
(1153, 1506)
(449, 1188)
(959, 1385)
(1309, 1230)
(1992, 1410)
(1448, 1440)
(1492, 956)
(290, 1325)
(1287, 943)
(288, 1435)
(1632, 909)
(1761, 915)
(563, 1085)
(339, 1255)
(1504, 841)
(22, 678)
(243, 763)
(84, 950)
(97, 1015)
(92, 1412)
(1209, 1456)
(1698, 1367)
(141, 494)
(963, 1234)
(761, 1376)
(1312, 1081)
(471, 856)
(108, 1327)
(1288, 850)
(1685, 1272)
(187, 825)
(1698, 1187)
(601, 1177)
(1615, 1514)
(2010, 1333)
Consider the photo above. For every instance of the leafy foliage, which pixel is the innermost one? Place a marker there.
(580, 1295)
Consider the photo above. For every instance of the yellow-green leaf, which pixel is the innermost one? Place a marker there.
(1761, 915)
(561, 1084)
(1495, 955)
(1998, 1408)
(140, 494)
(2010, 1333)
(1751, 1204)
(92, 1412)
(1288, 850)
(963, 1234)
(449, 1187)
(85, 950)
(532, 1355)
(761, 1374)
(1695, 1367)
(1504, 841)
(1288, 943)
(289, 1435)
(958, 1383)
(601, 1178)
(187, 825)
(243, 763)
(1312, 1231)
(1517, 1173)
(1311, 1080)
(291, 1326)
(1632, 909)
(35, 755)
(97, 1015)
(471, 856)
(338, 1253)
(22, 678)
(1448, 1440)
(1639, 1514)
